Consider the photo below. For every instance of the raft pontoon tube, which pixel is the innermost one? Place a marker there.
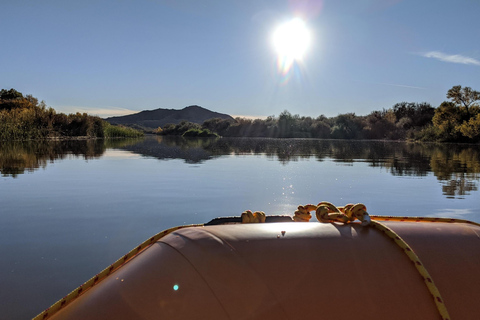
(288, 270)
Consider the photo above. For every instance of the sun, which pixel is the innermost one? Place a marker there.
(292, 39)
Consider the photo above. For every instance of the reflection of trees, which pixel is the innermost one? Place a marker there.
(407, 160)
(18, 157)
(14, 160)
(457, 167)
(284, 149)
(458, 187)
(173, 147)
(118, 143)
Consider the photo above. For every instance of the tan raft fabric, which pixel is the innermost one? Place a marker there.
(292, 271)
(62, 303)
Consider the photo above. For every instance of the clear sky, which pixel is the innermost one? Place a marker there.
(116, 57)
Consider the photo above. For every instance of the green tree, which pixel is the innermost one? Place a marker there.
(12, 99)
(411, 114)
(447, 118)
(286, 124)
(217, 125)
(458, 120)
(381, 125)
(465, 97)
(423, 115)
(347, 126)
(320, 129)
(11, 94)
(471, 128)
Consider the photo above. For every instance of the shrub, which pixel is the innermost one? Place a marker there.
(199, 133)
(429, 133)
(112, 131)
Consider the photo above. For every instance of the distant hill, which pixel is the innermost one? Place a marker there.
(152, 119)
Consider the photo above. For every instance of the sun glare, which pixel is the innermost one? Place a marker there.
(291, 40)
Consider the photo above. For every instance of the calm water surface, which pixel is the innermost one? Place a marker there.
(69, 209)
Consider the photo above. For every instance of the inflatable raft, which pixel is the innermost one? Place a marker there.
(240, 268)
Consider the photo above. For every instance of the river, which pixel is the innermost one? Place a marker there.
(68, 209)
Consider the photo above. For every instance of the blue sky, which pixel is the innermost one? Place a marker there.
(115, 57)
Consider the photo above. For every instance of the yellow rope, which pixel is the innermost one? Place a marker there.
(423, 219)
(107, 271)
(327, 212)
(253, 217)
(302, 214)
(442, 309)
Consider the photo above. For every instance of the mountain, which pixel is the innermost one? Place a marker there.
(152, 119)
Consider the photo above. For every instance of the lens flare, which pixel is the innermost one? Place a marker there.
(291, 41)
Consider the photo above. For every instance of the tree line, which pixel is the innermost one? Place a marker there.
(457, 120)
(24, 118)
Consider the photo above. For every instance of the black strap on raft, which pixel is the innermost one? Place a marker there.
(234, 220)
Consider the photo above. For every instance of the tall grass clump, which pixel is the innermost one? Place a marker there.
(112, 131)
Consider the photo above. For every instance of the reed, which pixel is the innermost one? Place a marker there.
(112, 131)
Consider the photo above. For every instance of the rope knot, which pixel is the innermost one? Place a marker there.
(358, 211)
(327, 212)
(253, 217)
(302, 214)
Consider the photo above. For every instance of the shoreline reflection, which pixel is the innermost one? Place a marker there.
(456, 167)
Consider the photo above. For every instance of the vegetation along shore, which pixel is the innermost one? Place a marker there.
(455, 120)
(24, 118)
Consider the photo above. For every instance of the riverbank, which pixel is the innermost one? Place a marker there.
(403, 122)
(24, 118)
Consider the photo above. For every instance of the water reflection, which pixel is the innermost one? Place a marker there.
(191, 150)
(18, 157)
(457, 167)
(458, 170)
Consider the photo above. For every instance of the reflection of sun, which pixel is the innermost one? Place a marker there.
(291, 40)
